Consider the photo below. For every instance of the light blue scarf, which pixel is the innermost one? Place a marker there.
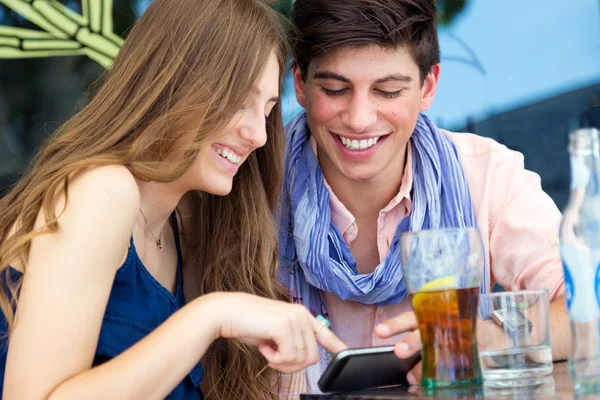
(313, 253)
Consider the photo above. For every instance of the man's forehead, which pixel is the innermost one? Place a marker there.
(371, 63)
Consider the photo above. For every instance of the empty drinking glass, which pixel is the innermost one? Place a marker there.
(514, 337)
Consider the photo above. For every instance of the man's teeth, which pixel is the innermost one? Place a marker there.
(358, 144)
(229, 155)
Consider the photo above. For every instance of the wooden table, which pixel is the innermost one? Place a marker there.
(556, 386)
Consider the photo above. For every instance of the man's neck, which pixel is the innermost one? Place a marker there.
(364, 199)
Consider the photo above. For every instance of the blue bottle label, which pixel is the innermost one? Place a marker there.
(597, 285)
(570, 289)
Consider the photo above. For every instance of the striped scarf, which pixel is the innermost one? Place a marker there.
(313, 254)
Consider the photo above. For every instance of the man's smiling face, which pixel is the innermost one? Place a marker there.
(362, 106)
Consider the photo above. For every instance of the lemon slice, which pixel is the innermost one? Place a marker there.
(447, 282)
(425, 300)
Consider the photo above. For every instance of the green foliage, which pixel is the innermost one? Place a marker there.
(282, 6)
(448, 10)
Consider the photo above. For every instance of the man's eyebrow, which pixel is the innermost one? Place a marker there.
(330, 75)
(395, 77)
(333, 75)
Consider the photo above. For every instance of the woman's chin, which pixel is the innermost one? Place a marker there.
(221, 189)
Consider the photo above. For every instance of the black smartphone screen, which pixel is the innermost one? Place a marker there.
(356, 369)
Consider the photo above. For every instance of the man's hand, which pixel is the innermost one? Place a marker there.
(408, 345)
(488, 333)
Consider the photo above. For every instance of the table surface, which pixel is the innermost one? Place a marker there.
(555, 386)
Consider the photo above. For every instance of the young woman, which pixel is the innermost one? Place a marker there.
(90, 248)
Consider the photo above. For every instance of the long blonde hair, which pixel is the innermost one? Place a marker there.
(183, 59)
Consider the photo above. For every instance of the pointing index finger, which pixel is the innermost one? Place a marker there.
(325, 337)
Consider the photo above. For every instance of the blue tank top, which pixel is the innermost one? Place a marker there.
(137, 305)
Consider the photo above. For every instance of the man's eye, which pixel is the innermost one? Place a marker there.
(388, 95)
(333, 93)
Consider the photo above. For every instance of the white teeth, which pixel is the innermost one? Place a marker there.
(358, 144)
(233, 158)
(229, 155)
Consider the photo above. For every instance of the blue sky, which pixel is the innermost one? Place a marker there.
(530, 50)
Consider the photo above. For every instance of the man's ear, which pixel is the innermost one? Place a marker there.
(429, 87)
(299, 86)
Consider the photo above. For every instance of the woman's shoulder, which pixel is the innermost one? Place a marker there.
(109, 177)
(108, 186)
(98, 202)
(99, 188)
(105, 199)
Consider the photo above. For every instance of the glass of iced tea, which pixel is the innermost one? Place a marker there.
(442, 271)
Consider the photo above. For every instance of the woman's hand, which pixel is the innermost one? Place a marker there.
(285, 334)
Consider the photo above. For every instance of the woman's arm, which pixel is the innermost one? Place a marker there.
(64, 296)
(67, 283)
(284, 333)
(155, 365)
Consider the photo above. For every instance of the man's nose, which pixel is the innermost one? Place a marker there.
(360, 113)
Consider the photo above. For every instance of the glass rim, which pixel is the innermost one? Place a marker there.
(514, 293)
(437, 230)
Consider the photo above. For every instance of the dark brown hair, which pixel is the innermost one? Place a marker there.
(323, 26)
(184, 62)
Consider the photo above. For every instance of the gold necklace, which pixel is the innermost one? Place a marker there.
(158, 241)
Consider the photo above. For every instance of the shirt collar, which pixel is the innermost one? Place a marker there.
(343, 219)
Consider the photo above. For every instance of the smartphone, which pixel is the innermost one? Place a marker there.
(366, 368)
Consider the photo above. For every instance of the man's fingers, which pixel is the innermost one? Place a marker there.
(409, 345)
(414, 376)
(402, 323)
(416, 390)
(491, 335)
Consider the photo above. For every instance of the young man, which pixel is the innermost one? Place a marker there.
(364, 165)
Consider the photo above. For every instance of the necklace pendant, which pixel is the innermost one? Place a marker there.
(159, 244)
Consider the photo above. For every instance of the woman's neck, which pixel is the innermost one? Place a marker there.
(157, 203)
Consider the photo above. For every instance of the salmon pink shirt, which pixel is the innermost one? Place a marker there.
(518, 222)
